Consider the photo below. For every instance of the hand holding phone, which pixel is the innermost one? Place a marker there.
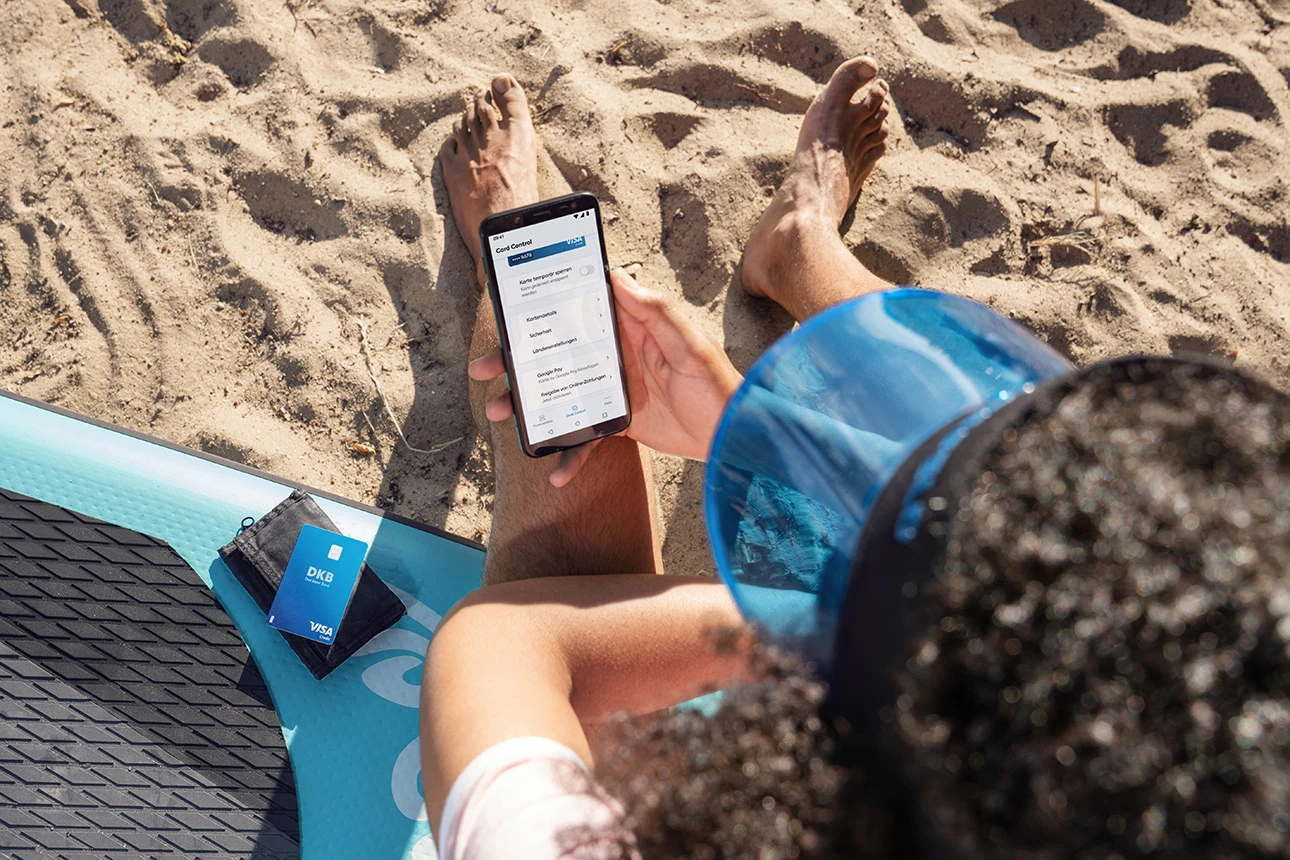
(678, 378)
(548, 278)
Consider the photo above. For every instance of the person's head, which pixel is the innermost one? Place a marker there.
(1107, 672)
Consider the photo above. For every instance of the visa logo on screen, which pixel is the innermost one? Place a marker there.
(321, 629)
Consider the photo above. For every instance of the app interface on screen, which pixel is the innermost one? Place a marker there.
(556, 307)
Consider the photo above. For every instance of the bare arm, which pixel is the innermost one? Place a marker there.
(543, 657)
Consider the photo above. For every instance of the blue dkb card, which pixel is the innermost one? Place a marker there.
(318, 584)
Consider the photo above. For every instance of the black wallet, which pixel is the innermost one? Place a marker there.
(258, 557)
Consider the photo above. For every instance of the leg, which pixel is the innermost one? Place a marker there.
(795, 255)
(604, 521)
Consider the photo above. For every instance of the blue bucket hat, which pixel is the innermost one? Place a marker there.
(822, 423)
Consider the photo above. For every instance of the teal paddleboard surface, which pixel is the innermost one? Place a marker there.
(352, 737)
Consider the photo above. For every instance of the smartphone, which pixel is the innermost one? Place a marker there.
(548, 277)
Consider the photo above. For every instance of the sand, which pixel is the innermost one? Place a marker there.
(204, 201)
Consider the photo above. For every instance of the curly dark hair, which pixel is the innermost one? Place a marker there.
(764, 777)
(1110, 676)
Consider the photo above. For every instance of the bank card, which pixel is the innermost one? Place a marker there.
(318, 584)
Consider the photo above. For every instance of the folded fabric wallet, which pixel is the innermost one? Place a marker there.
(258, 557)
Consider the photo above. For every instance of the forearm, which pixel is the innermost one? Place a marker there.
(660, 641)
(545, 656)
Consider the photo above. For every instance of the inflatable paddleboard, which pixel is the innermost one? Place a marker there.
(146, 708)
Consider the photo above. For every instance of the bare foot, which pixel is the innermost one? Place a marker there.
(490, 160)
(837, 148)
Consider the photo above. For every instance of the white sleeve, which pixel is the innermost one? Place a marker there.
(532, 798)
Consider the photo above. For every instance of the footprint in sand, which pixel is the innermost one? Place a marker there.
(1146, 130)
(794, 45)
(718, 86)
(1053, 25)
(192, 19)
(671, 128)
(244, 62)
(1135, 62)
(167, 172)
(289, 208)
(1163, 11)
(388, 52)
(1239, 90)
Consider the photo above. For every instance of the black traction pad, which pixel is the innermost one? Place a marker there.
(133, 722)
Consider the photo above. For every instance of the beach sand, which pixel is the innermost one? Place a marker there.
(204, 202)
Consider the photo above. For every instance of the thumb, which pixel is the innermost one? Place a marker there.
(653, 310)
(661, 318)
(571, 460)
(638, 301)
(487, 366)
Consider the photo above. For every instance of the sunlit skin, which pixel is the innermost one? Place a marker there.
(573, 624)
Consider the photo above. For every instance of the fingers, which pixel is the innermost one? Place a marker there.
(571, 461)
(488, 366)
(500, 408)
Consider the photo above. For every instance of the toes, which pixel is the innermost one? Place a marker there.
(871, 135)
(485, 112)
(873, 99)
(860, 164)
(470, 118)
(460, 134)
(449, 148)
(509, 97)
(872, 122)
(876, 138)
(873, 103)
(848, 79)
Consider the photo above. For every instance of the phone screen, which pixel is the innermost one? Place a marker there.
(555, 304)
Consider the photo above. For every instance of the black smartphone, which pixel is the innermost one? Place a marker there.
(548, 277)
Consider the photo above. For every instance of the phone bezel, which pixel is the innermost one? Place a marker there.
(526, 216)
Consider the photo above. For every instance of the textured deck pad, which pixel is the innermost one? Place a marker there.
(132, 717)
(351, 738)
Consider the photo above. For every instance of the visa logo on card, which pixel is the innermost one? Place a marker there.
(318, 584)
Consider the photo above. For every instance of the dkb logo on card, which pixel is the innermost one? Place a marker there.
(317, 585)
(323, 576)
